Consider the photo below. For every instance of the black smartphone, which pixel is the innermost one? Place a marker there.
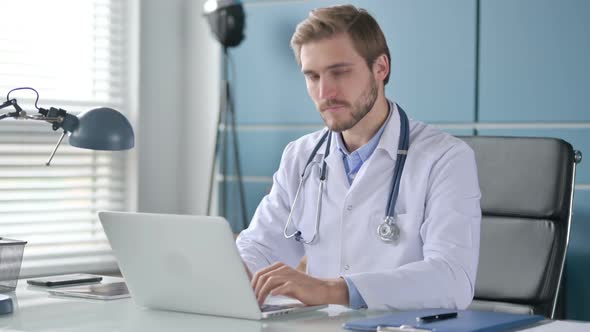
(62, 280)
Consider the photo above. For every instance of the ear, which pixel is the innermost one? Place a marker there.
(381, 67)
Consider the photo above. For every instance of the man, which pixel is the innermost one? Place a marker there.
(345, 60)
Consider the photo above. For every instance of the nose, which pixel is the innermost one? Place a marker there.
(327, 88)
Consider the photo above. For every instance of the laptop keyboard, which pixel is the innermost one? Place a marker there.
(274, 307)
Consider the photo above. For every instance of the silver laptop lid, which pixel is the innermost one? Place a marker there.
(181, 263)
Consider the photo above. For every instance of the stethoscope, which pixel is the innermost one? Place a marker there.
(388, 230)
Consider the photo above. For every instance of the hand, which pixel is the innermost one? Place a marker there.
(281, 279)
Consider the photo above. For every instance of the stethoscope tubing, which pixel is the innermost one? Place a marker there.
(297, 234)
(402, 153)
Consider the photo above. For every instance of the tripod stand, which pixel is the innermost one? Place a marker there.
(226, 124)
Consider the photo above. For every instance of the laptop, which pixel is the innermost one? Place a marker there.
(185, 263)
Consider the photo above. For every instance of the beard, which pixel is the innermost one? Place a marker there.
(358, 110)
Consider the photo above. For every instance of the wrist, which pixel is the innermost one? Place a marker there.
(337, 291)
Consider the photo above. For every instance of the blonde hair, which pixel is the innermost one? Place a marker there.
(366, 35)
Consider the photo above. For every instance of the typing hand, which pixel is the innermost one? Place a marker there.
(281, 279)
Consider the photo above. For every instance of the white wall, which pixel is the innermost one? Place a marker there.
(178, 105)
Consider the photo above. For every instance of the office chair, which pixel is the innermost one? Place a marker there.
(527, 187)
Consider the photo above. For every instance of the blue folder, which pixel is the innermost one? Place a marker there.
(466, 321)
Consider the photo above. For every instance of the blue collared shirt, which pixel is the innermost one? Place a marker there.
(352, 164)
(354, 160)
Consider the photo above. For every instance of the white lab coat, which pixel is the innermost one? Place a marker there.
(434, 264)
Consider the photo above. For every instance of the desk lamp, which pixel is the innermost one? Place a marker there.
(97, 129)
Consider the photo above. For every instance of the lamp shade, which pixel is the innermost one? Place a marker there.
(102, 129)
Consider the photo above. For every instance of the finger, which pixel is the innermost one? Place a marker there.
(292, 290)
(269, 278)
(271, 283)
(279, 270)
(273, 279)
(263, 274)
(299, 292)
(286, 289)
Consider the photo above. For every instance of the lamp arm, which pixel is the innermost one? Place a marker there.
(97, 129)
(58, 117)
(8, 103)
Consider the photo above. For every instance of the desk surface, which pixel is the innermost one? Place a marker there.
(36, 310)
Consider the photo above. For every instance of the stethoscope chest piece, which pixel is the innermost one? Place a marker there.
(389, 231)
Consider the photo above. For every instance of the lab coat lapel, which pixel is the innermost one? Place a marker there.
(336, 170)
(382, 161)
(336, 174)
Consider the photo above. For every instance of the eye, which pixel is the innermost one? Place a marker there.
(312, 77)
(340, 72)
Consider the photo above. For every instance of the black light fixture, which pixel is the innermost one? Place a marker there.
(227, 21)
(97, 129)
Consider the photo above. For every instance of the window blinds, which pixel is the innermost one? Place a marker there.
(74, 53)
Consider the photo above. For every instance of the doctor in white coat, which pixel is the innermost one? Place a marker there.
(432, 263)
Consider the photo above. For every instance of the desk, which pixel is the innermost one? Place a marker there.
(36, 310)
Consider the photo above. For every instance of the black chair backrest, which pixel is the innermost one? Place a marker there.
(527, 189)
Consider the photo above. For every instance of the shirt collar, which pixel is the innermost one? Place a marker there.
(390, 138)
(365, 151)
(391, 132)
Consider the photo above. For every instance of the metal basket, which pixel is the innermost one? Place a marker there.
(11, 257)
